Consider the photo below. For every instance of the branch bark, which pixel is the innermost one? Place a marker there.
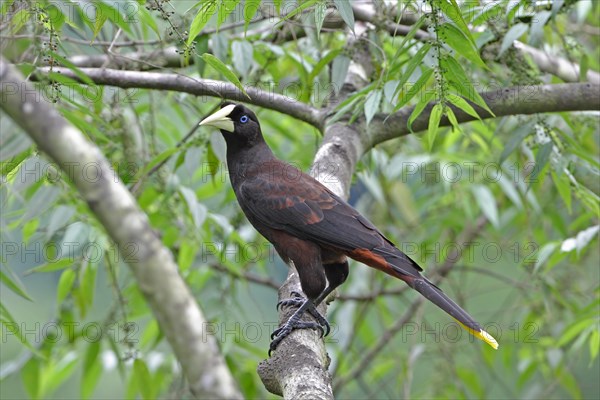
(503, 101)
(180, 318)
(266, 98)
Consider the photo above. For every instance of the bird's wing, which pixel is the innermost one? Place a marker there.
(307, 209)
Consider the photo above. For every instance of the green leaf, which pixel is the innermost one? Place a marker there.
(576, 329)
(419, 107)
(186, 254)
(80, 75)
(403, 45)
(345, 9)
(543, 254)
(452, 119)
(487, 203)
(197, 210)
(594, 345)
(541, 159)
(58, 372)
(459, 42)
(536, 34)
(568, 381)
(470, 378)
(154, 162)
(322, 63)
(30, 374)
(514, 33)
(242, 54)
(508, 187)
(143, 378)
(299, 9)
(451, 10)
(104, 11)
(30, 228)
(92, 369)
(147, 20)
(250, 9)
(10, 327)
(87, 282)
(415, 61)
(516, 137)
(372, 104)
(418, 87)
(563, 186)
(18, 20)
(218, 65)
(65, 283)
(320, 10)
(225, 9)
(14, 284)
(51, 266)
(434, 122)
(462, 104)
(457, 78)
(339, 70)
(206, 11)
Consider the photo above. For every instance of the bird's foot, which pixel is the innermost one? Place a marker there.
(298, 300)
(294, 321)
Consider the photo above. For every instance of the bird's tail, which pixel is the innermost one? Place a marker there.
(393, 262)
(439, 298)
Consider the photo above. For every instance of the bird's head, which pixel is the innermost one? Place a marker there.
(237, 124)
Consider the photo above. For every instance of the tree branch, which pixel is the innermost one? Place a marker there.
(504, 101)
(152, 264)
(200, 87)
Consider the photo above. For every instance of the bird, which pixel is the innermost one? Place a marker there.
(312, 227)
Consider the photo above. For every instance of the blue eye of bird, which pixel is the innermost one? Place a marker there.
(244, 119)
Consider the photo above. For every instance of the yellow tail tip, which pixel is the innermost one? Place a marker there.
(482, 335)
(486, 337)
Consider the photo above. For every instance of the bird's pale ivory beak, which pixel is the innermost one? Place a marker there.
(220, 119)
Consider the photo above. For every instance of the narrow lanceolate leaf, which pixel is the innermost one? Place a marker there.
(218, 65)
(418, 87)
(456, 39)
(419, 107)
(320, 9)
(513, 34)
(458, 80)
(243, 56)
(14, 284)
(541, 159)
(105, 11)
(226, 8)
(413, 64)
(451, 10)
(65, 283)
(487, 203)
(339, 70)
(204, 14)
(434, 123)
(372, 104)
(299, 9)
(11, 327)
(322, 63)
(462, 104)
(452, 119)
(516, 137)
(92, 369)
(250, 9)
(345, 9)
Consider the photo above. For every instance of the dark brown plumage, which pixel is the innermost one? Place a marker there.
(312, 226)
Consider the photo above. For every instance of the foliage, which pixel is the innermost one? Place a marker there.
(516, 197)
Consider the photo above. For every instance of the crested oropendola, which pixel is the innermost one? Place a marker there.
(312, 226)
